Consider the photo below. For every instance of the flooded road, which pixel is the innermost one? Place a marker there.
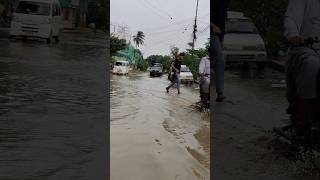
(246, 147)
(156, 135)
(52, 108)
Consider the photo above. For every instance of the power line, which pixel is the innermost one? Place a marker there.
(148, 6)
(168, 31)
(155, 7)
(177, 23)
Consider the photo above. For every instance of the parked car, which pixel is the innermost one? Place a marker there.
(242, 42)
(156, 70)
(121, 68)
(186, 75)
(37, 18)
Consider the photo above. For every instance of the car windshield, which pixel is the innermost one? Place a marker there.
(241, 26)
(185, 69)
(34, 8)
(121, 64)
(156, 68)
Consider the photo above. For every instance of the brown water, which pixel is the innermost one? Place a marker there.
(155, 135)
(52, 109)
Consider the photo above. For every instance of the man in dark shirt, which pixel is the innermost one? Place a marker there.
(175, 68)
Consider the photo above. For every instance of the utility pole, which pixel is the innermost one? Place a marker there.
(195, 27)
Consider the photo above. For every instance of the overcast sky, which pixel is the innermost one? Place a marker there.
(153, 17)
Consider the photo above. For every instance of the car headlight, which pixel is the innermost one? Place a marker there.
(261, 47)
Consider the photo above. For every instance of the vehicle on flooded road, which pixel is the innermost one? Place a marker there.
(186, 75)
(37, 19)
(121, 68)
(242, 42)
(156, 70)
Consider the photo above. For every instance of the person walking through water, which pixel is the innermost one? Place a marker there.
(218, 24)
(175, 68)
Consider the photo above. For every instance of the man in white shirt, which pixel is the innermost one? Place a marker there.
(204, 72)
(302, 21)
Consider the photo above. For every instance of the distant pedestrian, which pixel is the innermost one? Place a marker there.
(175, 68)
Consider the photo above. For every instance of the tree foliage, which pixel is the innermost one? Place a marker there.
(164, 60)
(139, 38)
(174, 51)
(116, 44)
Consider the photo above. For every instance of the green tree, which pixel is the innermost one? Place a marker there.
(116, 44)
(139, 38)
(174, 51)
(164, 60)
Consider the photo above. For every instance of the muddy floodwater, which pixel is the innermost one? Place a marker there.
(52, 108)
(156, 135)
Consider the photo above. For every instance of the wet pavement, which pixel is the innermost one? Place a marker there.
(247, 148)
(52, 108)
(156, 135)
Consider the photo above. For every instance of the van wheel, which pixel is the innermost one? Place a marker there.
(261, 65)
(56, 38)
(24, 38)
(48, 40)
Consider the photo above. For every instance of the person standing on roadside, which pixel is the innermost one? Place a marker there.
(204, 72)
(175, 68)
(219, 16)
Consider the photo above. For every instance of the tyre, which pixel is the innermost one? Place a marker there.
(49, 39)
(56, 38)
(261, 65)
(24, 38)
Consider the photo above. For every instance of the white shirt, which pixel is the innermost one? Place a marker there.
(303, 18)
(204, 66)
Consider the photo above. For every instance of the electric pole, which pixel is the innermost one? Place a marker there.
(195, 27)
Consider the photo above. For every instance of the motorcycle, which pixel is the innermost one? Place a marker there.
(312, 115)
(204, 104)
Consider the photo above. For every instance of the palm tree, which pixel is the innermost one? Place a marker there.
(139, 38)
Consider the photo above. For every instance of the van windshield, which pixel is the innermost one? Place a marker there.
(185, 69)
(34, 8)
(241, 26)
(121, 64)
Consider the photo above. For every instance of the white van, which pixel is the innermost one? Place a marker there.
(121, 67)
(37, 18)
(186, 75)
(242, 42)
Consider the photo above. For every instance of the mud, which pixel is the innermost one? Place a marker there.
(246, 147)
